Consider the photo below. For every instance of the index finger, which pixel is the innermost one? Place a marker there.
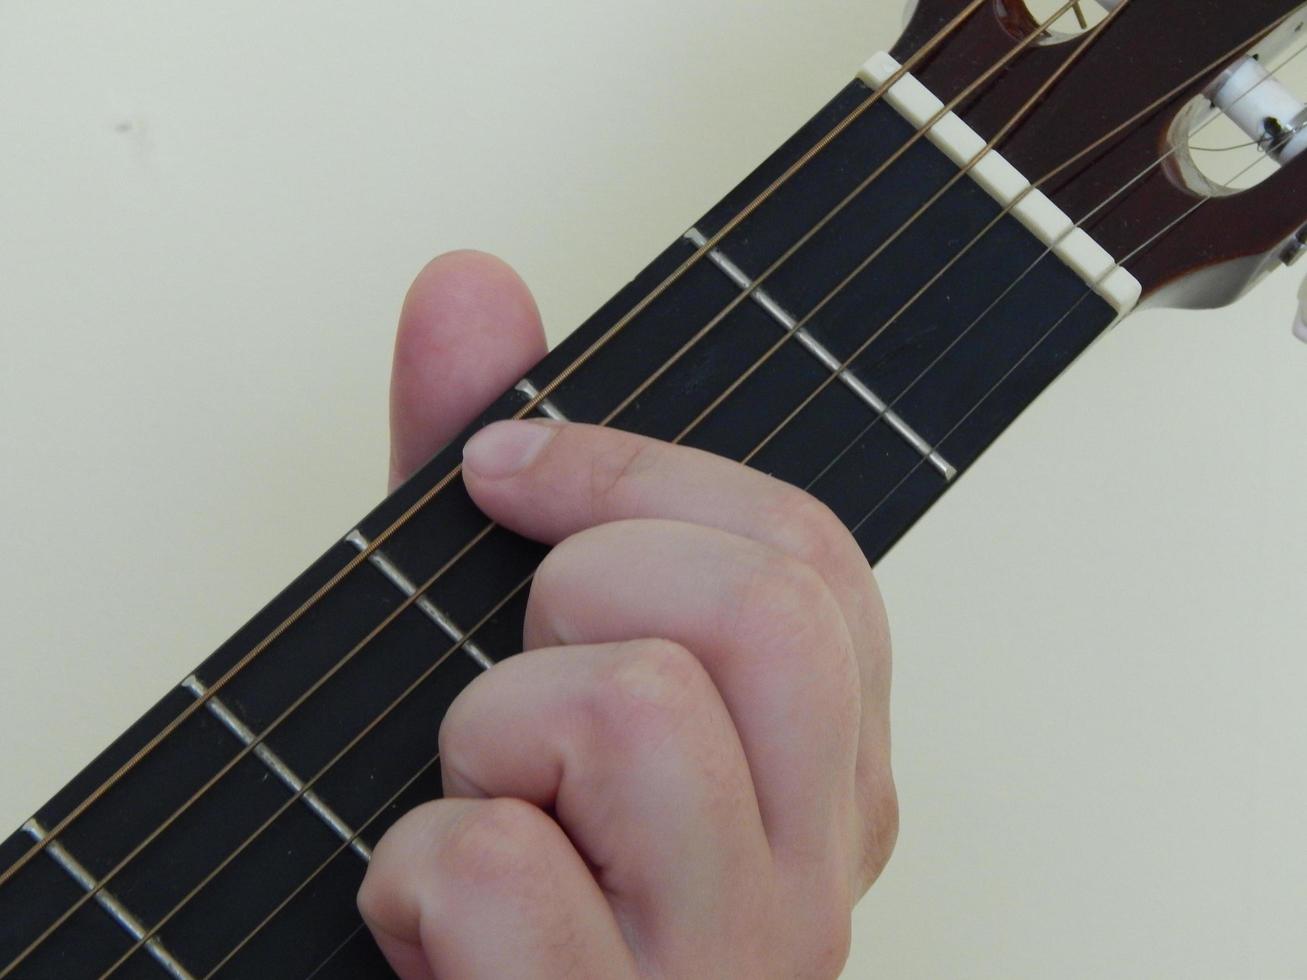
(550, 480)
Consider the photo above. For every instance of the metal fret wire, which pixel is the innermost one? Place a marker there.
(340, 849)
(1116, 195)
(1026, 272)
(540, 398)
(1085, 295)
(255, 743)
(826, 219)
(526, 581)
(309, 783)
(1169, 227)
(844, 366)
(515, 591)
(880, 249)
(926, 50)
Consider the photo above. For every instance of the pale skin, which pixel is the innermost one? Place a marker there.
(687, 774)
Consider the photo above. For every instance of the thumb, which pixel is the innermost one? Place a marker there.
(468, 330)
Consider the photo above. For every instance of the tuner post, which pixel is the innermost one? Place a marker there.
(1260, 105)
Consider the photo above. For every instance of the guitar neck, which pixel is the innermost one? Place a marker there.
(861, 317)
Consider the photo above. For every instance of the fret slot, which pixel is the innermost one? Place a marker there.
(315, 645)
(106, 900)
(249, 887)
(801, 452)
(828, 360)
(896, 220)
(198, 840)
(444, 524)
(545, 407)
(423, 786)
(958, 339)
(363, 689)
(653, 337)
(866, 272)
(417, 648)
(149, 794)
(685, 389)
(443, 528)
(86, 945)
(1002, 361)
(502, 632)
(753, 411)
(280, 769)
(857, 475)
(404, 740)
(428, 608)
(468, 590)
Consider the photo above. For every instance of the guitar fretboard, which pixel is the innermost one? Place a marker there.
(234, 846)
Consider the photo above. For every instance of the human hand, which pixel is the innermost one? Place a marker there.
(688, 775)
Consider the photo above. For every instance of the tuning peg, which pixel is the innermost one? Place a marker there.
(1260, 104)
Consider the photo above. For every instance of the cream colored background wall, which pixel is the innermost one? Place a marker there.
(208, 216)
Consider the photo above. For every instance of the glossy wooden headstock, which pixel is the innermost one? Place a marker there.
(1141, 74)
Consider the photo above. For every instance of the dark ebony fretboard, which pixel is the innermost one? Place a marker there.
(879, 444)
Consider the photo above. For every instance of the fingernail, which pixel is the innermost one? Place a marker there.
(505, 448)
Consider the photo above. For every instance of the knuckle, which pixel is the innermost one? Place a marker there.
(648, 691)
(496, 846)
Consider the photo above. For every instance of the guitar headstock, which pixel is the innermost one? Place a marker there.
(1108, 141)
